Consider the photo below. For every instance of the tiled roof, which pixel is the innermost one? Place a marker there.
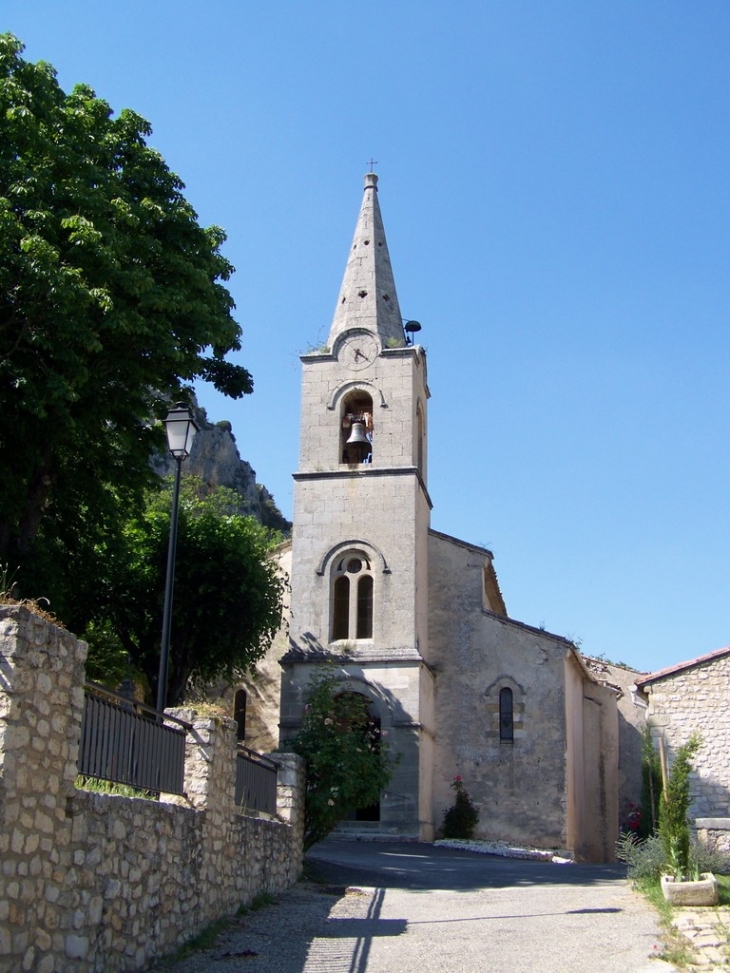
(672, 670)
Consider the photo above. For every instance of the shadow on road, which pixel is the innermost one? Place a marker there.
(425, 867)
(335, 921)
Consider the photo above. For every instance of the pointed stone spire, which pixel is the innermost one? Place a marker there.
(367, 297)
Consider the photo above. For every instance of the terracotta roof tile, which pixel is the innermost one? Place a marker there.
(672, 670)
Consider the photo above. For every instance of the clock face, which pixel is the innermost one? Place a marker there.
(359, 351)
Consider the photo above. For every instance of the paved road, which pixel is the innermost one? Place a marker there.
(418, 909)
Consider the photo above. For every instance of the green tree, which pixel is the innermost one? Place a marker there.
(110, 301)
(348, 766)
(673, 810)
(651, 786)
(227, 594)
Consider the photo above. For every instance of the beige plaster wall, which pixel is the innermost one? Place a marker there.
(600, 772)
(576, 811)
(263, 684)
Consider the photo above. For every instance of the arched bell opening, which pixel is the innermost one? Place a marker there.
(356, 436)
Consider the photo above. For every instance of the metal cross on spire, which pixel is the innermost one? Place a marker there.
(373, 162)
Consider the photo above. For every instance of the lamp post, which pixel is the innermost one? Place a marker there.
(180, 428)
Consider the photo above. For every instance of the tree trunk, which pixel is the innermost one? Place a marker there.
(39, 490)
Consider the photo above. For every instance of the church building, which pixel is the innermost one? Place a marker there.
(414, 618)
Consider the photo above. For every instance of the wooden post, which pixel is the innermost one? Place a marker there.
(663, 761)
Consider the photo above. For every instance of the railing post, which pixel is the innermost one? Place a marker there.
(290, 801)
(210, 760)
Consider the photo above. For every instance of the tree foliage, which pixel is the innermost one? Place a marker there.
(227, 592)
(348, 765)
(110, 301)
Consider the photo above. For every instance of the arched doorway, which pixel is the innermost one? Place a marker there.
(372, 811)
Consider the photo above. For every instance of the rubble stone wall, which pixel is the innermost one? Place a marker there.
(694, 700)
(92, 882)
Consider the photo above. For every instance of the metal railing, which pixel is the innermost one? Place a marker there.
(255, 781)
(126, 742)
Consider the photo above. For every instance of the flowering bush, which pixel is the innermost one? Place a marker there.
(348, 765)
(632, 820)
(462, 817)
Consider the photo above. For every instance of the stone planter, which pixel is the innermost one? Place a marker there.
(703, 892)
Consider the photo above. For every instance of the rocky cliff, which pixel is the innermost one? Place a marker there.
(216, 462)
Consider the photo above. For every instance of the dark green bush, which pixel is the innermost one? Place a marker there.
(462, 817)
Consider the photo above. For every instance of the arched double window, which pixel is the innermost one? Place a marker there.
(352, 597)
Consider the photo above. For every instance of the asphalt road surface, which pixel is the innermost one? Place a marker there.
(410, 908)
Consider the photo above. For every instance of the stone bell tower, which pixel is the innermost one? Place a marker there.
(359, 576)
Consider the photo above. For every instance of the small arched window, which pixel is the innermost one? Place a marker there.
(420, 431)
(506, 716)
(352, 598)
(239, 713)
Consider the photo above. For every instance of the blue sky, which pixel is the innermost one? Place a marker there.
(554, 186)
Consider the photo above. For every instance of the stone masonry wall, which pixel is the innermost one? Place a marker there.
(695, 700)
(95, 882)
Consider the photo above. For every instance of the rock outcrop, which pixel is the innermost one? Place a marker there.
(216, 462)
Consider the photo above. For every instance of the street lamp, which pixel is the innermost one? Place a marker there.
(180, 428)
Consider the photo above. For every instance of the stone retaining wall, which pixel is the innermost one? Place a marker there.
(94, 882)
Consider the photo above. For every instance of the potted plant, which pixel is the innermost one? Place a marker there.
(682, 885)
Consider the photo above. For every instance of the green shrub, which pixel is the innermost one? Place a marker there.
(644, 856)
(651, 786)
(461, 819)
(99, 786)
(647, 859)
(705, 857)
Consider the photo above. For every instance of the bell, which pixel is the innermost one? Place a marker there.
(357, 436)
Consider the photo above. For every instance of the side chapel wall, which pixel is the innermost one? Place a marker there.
(520, 787)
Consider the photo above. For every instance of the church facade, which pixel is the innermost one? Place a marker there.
(414, 618)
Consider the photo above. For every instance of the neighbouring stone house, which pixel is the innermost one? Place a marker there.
(692, 697)
(631, 722)
(415, 618)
